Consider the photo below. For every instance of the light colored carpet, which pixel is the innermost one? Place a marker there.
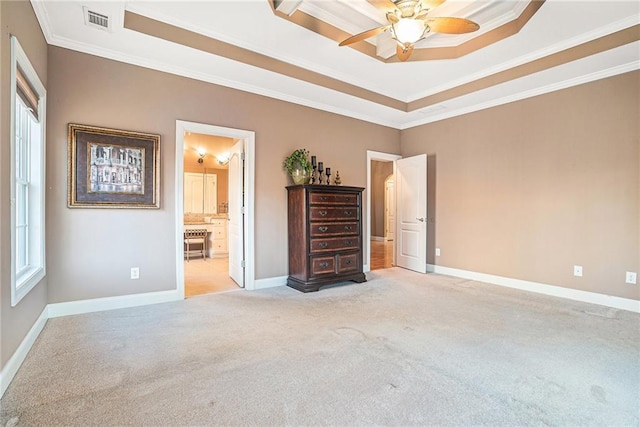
(400, 349)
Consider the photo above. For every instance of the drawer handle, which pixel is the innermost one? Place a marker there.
(348, 262)
(323, 228)
(323, 198)
(348, 227)
(348, 213)
(322, 213)
(324, 264)
(349, 242)
(323, 244)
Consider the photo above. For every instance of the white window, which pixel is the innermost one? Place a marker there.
(28, 101)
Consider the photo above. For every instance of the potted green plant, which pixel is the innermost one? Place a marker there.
(298, 166)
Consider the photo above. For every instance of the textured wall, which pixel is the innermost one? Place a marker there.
(529, 189)
(91, 251)
(17, 18)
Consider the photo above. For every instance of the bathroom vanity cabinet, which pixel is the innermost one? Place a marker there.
(217, 245)
(325, 235)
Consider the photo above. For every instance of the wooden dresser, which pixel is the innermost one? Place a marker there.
(325, 236)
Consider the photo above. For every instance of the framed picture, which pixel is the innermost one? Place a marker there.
(111, 168)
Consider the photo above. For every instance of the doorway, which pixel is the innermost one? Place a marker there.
(221, 160)
(379, 240)
(206, 193)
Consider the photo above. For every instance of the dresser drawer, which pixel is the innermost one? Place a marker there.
(320, 229)
(348, 262)
(319, 213)
(323, 265)
(333, 199)
(334, 244)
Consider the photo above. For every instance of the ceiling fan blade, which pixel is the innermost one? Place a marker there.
(404, 54)
(431, 4)
(364, 35)
(385, 5)
(451, 25)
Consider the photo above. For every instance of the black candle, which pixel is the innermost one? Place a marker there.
(328, 171)
(320, 167)
(313, 160)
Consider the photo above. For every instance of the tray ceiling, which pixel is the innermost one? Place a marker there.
(252, 46)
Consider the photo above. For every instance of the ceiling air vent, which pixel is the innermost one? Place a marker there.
(97, 20)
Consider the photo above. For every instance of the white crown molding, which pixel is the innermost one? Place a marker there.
(43, 19)
(541, 288)
(530, 57)
(610, 72)
(186, 72)
(262, 50)
(379, 118)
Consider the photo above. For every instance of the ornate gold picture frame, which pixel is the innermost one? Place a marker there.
(110, 168)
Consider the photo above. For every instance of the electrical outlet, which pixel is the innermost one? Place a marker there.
(631, 277)
(135, 273)
(577, 270)
(437, 251)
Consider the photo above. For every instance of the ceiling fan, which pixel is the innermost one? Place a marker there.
(409, 23)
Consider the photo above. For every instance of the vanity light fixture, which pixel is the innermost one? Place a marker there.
(201, 154)
(223, 159)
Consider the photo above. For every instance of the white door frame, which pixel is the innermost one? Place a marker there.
(385, 157)
(249, 138)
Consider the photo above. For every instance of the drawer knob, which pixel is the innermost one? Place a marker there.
(348, 213)
(323, 228)
(348, 227)
(324, 264)
(349, 242)
(348, 262)
(322, 213)
(323, 244)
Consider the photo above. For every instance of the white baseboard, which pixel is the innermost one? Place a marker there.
(11, 368)
(271, 282)
(366, 268)
(111, 303)
(541, 288)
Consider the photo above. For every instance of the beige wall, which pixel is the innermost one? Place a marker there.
(380, 171)
(528, 189)
(17, 18)
(91, 251)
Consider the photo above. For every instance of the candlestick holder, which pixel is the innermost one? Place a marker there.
(328, 172)
(314, 174)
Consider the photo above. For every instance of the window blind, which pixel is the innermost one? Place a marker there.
(26, 92)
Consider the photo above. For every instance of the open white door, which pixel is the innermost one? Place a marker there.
(236, 213)
(411, 221)
(389, 209)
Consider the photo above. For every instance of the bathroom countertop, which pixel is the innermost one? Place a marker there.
(218, 216)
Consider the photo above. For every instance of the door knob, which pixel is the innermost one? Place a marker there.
(420, 219)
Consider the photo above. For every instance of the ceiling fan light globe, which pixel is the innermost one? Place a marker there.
(408, 30)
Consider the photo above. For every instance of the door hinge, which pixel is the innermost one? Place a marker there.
(242, 264)
(242, 210)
